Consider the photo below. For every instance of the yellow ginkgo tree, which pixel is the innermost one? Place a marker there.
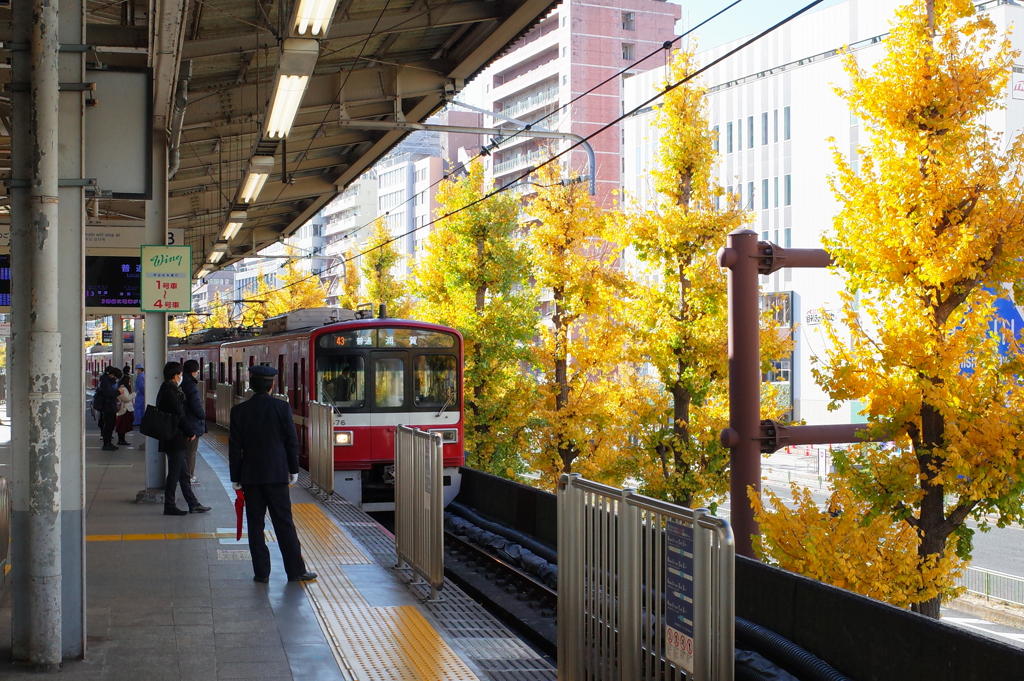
(681, 305)
(930, 228)
(580, 415)
(380, 258)
(474, 276)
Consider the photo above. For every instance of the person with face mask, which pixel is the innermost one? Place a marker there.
(171, 400)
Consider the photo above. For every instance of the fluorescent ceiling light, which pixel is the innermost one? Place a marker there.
(259, 171)
(314, 16)
(285, 105)
(203, 273)
(215, 257)
(294, 68)
(236, 219)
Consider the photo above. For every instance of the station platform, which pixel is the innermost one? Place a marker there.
(172, 598)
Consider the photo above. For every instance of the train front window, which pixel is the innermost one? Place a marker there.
(389, 383)
(434, 381)
(341, 381)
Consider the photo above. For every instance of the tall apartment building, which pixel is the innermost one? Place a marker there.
(349, 220)
(577, 46)
(775, 107)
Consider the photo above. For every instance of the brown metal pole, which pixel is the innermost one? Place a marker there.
(740, 256)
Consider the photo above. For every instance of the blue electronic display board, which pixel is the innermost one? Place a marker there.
(679, 594)
(112, 281)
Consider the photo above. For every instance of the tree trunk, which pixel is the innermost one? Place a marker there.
(930, 524)
(566, 450)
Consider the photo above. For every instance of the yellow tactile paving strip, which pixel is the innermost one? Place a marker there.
(370, 643)
(151, 537)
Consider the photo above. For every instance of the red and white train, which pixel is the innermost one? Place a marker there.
(376, 373)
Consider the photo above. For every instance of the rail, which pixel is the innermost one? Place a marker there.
(225, 400)
(646, 588)
(991, 584)
(321, 447)
(419, 506)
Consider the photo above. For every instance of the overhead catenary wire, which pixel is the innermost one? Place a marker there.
(664, 91)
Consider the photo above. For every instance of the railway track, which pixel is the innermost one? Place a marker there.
(516, 597)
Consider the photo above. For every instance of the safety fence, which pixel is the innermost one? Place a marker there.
(991, 584)
(5, 525)
(419, 506)
(646, 588)
(225, 400)
(321, 447)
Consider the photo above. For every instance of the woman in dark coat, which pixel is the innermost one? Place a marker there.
(171, 400)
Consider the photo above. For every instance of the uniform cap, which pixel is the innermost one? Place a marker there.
(261, 370)
(139, 366)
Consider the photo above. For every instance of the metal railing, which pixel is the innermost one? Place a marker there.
(645, 587)
(419, 506)
(519, 162)
(529, 103)
(990, 584)
(225, 400)
(321, 447)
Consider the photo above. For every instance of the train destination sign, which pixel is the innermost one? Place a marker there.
(679, 595)
(166, 279)
(387, 338)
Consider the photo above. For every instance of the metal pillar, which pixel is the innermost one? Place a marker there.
(117, 340)
(740, 256)
(156, 322)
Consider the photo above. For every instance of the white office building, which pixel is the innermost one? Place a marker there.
(775, 107)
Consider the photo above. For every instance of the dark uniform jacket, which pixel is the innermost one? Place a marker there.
(107, 390)
(262, 445)
(171, 400)
(195, 412)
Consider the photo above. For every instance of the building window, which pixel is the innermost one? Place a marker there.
(788, 191)
(785, 123)
(750, 196)
(776, 192)
(764, 194)
(764, 129)
(728, 192)
(739, 135)
(728, 142)
(714, 140)
(775, 125)
(628, 21)
(565, 79)
(788, 243)
(565, 51)
(739, 193)
(764, 235)
(565, 20)
(627, 51)
(750, 132)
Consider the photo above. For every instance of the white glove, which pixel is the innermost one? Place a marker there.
(236, 485)
(293, 478)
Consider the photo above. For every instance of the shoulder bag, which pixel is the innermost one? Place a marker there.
(158, 424)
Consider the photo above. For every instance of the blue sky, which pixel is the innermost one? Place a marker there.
(746, 18)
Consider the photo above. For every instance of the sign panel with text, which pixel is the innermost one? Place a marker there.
(166, 279)
(679, 594)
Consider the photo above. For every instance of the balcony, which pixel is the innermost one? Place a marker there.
(535, 101)
(519, 162)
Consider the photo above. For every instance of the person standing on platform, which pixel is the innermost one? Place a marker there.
(263, 454)
(105, 402)
(127, 371)
(171, 400)
(126, 409)
(195, 412)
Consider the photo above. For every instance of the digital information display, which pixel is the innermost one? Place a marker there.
(5, 281)
(112, 281)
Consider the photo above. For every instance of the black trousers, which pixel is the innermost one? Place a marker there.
(274, 498)
(107, 421)
(177, 474)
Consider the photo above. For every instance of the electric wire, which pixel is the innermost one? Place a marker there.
(667, 89)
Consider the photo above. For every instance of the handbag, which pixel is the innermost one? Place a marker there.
(158, 424)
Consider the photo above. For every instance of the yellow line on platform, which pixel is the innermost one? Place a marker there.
(370, 643)
(153, 537)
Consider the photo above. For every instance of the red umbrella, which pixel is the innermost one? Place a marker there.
(239, 505)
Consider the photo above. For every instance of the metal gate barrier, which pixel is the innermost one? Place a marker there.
(419, 506)
(321, 447)
(225, 400)
(645, 588)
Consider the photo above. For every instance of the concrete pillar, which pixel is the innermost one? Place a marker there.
(117, 340)
(156, 322)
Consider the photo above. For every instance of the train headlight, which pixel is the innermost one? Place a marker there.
(448, 435)
(343, 438)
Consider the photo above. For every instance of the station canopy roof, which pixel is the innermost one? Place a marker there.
(221, 61)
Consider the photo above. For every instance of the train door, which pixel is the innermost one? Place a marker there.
(390, 372)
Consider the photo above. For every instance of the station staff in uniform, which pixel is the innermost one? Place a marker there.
(264, 459)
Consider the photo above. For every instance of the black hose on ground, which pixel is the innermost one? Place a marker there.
(753, 667)
(785, 653)
(523, 540)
